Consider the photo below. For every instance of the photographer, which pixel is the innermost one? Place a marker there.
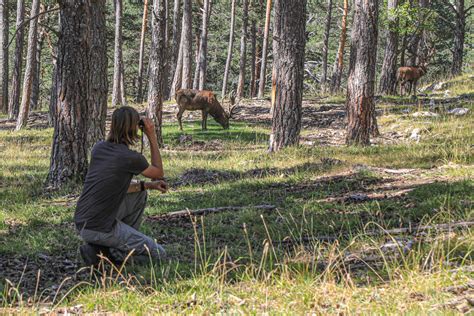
(110, 208)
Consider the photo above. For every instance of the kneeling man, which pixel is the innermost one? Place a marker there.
(109, 211)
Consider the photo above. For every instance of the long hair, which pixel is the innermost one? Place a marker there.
(124, 127)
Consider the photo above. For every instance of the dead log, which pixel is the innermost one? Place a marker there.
(212, 210)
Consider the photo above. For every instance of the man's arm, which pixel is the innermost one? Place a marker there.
(155, 170)
(135, 186)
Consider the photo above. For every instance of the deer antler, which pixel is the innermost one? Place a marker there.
(232, 104)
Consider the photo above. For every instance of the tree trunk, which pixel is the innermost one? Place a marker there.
(174, 49)
(157, 64)
(253, 57)
(30, 67)
(243, 50)
(289, 39)
(4, 28)
(187, 44)
(459, 35)
(203, 45)
(327, 30)
(14, 100)
(178, 74)
(339, 63)
(118, 88)
(81, 74)
(35, 89)
(139, 97)
(388, 77)
(263, 67)
(197, 41)
(360, 105)
(229, 51)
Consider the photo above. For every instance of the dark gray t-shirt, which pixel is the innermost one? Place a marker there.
(110, 172)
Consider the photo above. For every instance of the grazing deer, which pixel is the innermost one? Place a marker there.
(206, 101)
(410, 74)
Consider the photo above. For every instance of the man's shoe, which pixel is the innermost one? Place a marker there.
(89, 254)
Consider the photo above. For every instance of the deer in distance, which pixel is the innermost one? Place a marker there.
(411, 74)
(206, 101)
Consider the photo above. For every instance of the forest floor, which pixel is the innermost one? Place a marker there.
(320, 228)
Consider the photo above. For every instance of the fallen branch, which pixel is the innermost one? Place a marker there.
(205, 211)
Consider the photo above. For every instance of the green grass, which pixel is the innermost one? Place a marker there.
(239, 261)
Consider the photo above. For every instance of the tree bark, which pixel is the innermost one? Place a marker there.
(253, 59)
(14, 100)
(30, 67)
(80, 74)
(263, 67)
(229, 51)
(174, 49)
(289, 39)
(327, 30)
(339, 63)
(4, 58)
(139, 97)
(388, 77)
(187, 37)
(118, 88)
(35, 89)
(243, 50)
(203, 44)
(360, 105)
(197, 41)
(459, 35)
(157, 64)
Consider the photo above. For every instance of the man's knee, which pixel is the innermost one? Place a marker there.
(154, 249)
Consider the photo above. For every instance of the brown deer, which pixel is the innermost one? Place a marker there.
(410, 74)
(206, 101)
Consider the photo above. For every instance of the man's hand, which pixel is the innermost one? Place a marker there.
(159, 185)
(149, 128)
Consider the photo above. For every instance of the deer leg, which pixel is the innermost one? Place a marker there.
(204, 120)
(414, 88)
(180, 116)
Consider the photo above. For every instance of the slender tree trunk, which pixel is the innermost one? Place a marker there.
(81, 66)
(187, 36)
(30, 67)
(459, 35)
(178, 74)
(258, 60)
(263, 68)
(139, 97)
(243, 50)
(253, 59)
(157, 65)
(327, 30)
(14, 100)
(360, 104)
(4, 58)
(203, 43)
(229, 51)
(388, 77)
(174, 49)
(339, 63)
(197, 41)
(289, 39)
(35, 89)
(118, 89)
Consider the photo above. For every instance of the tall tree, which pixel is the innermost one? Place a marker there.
(80, 67)
(174, 49)
(197, 41)
(263, 66)
(229, 50)
(157, 64)
(327, 30)
(388, 76)
(253, 58)
(118, 88)
(360, 105)
(243, 50)
(14, 100)
(289, 41)
(4, 27)
(139, 97)
(187, 36)
(459, 34)
(35, 89)
(30, 66)
(203, 44)
(339, 63)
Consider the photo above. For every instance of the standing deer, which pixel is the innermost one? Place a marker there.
(410, 74)
(206, 101)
